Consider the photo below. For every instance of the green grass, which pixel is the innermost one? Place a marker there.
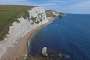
(9, 14)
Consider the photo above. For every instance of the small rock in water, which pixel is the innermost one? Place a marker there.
(44, 51)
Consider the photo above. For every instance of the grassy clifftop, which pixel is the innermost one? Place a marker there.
(8, 14)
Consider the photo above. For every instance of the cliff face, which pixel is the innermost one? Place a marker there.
(13, 43)
(19, 29)
(37, 15)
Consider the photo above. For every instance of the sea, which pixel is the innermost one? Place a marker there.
(69, 35)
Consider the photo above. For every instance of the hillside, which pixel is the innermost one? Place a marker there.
(9, 14)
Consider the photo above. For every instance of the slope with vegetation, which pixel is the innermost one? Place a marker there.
(9, 14)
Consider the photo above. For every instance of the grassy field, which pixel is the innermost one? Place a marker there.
(8, 14)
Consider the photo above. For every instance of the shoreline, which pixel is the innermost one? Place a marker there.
(42, 26)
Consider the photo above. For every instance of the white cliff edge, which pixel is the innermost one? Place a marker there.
(18, 30)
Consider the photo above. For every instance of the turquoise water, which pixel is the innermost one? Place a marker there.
(68, 35)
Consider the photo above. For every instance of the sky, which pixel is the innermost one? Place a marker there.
(67, 6)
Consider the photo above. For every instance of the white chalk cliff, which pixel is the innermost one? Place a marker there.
(19, 29)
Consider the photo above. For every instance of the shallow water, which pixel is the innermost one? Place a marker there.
(69, 35)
